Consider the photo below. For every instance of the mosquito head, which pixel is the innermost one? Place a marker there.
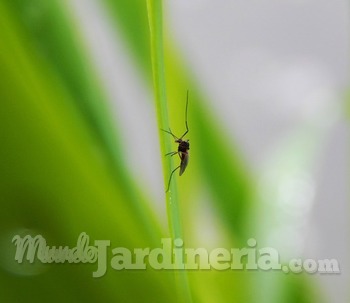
(184, 145)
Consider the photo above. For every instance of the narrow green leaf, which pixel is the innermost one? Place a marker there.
(157, 54)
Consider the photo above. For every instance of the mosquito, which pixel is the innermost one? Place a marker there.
(182, 150)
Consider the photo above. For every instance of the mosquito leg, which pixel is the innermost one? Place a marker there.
(172, 153)
(170, 133)
(187, 129)
(171, 175)
(184, 133)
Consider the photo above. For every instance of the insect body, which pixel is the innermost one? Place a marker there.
(182, 150)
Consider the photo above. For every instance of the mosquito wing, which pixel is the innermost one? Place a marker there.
(184, 162)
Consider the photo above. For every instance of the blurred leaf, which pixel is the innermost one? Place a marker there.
(53, 40)
(55, 179)
(132, 19)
